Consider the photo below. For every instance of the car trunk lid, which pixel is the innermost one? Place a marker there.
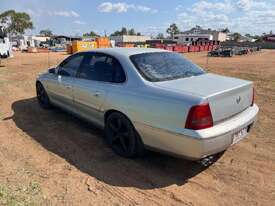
(226, 96)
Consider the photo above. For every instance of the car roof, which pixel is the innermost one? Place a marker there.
(126, 51)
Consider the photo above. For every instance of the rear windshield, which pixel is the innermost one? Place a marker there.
(163, 66)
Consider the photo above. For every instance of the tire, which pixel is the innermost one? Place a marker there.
(122, 136)
(42, 96)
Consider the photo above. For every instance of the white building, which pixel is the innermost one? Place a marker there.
(24, 42)
(199, 34)
(189, 38)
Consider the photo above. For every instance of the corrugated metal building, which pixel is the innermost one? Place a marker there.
(130, 39)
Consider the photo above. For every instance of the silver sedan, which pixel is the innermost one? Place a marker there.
(151, 98)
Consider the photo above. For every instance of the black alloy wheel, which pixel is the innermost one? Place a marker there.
(122, 136)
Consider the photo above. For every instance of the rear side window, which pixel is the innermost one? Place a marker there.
(100, 67)
(163, 66)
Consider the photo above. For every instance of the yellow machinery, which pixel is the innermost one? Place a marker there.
(78, 46)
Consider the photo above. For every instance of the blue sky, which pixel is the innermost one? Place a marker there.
(73, 17)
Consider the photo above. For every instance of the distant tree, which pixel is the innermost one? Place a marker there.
(248, 35)
(124, 31)
(16, 22)
(226, 30)
(236, 36)
(116, 33)
(259, 38)
(160, 36)
(271, 32)
(172, 30)
(131, 32)
(91, 34)
(46, 32)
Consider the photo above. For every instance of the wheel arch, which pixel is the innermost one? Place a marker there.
(38, 82)
(138, 136)
(111, 111)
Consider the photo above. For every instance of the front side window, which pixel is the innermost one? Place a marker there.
(163, 66)
(100, 67)
(70, 66)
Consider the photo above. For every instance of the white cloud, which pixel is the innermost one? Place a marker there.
(244, 4)
(122, 7)
(34, 13)
(74, 14)
(64, 13)
(204, 6)
(246, 16)
(153, 30)
(179, 7)
(80, 22)
(105, 7)
(145, 9)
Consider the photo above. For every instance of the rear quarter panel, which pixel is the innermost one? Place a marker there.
(150, 107)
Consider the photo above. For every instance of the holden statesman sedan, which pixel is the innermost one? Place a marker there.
(151, 99)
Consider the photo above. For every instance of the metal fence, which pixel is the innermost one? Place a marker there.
(262, 45)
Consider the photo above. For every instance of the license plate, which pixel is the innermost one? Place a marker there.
(239, 135)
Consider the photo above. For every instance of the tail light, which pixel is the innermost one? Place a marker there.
(199, 117)
(253, 97)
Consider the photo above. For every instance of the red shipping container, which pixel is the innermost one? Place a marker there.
(191, 49)
(184, 49)
(177, 48)
(180, 48)
(169, 48)
(201, 48)
(160, 46)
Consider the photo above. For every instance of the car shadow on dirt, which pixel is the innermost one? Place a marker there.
(83, 146)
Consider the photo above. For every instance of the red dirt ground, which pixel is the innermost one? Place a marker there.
(52, 158)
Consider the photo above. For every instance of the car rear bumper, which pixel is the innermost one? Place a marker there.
(198, 144)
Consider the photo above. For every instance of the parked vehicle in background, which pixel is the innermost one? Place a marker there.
(5, 46)
(230, 51)
(151, 98)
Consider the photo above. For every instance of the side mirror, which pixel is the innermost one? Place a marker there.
(51, 71)
(62, 72)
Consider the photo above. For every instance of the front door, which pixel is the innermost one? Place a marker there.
(98, 74)
(61, 85)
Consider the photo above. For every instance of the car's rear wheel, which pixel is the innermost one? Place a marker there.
(122, 136)
(42, 96)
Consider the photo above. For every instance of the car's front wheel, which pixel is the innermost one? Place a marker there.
(42, 96)
(122, 136)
